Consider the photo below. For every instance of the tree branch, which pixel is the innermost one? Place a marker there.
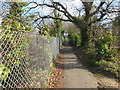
(51, 17)
(65, 9)
(97, 9)
(55, 6)
(103, 12)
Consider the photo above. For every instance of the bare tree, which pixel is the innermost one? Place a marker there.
(82, 22)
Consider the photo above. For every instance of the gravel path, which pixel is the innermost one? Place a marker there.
(75, 74)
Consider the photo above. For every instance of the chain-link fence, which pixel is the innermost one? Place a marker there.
(25, 59)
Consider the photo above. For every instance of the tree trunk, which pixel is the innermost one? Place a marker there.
(84, 29)
(84, 36)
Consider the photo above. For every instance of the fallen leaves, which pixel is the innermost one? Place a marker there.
(56, 80)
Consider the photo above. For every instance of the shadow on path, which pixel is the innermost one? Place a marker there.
(86, 60)
(75, 74)
(70, 59)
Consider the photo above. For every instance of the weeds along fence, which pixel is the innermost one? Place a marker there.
(26, 59)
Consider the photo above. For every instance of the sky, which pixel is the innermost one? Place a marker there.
(45, 11)
(71, 4)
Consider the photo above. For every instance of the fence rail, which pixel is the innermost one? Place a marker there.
(25, 59)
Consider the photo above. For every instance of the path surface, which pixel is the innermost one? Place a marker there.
(75, 74)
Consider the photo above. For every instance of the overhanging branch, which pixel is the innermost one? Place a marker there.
(103, 12)
(56, 6)
(98, 8)
(51, 17)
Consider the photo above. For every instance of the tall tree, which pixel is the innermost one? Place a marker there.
(92, 15)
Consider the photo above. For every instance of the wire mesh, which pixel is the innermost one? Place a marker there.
(25, 59)
(54, 47)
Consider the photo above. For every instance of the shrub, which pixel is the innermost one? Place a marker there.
(75, 39)
(106, 55)
(104, 48)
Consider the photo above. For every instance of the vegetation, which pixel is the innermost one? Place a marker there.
(98, 42)
(70, 28)
(14, 24)
(75, 39)
(95, 38)
(106, 54)
(57, 30)
(44, 30)
(93, 14)
(57, 25)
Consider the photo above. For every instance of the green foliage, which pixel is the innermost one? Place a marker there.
(106, 55)
(44, 30)
(57, 26)
(54, 33)
(78, 21)
(117, 21)
(14, 20)
(62, 34)
(75, 39)
(14, 42)
(104, 47)
(4, 71)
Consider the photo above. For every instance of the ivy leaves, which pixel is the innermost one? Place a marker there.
(106, 55)
(44, 30)
(14, 39)
(4, 71)
(104, 47)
